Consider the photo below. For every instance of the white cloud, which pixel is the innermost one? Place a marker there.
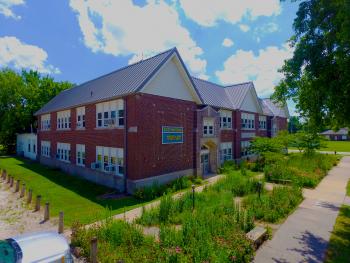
(244, 27)
(122, 28)
(227, 42)
(262, 68)
(14, 53)
(209, 12)
(263, 30)
(6, 5)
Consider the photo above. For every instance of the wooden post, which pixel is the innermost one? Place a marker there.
(8, 179)
(11, 181)
(23, 190)
(4, 174)
(47, 211)
(60, 223)
(37, 204)
(17, 186)
(93, 253)
(30, 193)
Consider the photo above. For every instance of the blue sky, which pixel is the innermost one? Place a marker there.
(225, 41)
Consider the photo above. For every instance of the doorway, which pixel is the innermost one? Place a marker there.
(205, 160)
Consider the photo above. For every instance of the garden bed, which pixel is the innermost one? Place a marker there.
(302, 170)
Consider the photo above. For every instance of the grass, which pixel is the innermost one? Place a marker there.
(339, 245)
(213, 231)
(303, 170)
(339, 146)
(77, 198)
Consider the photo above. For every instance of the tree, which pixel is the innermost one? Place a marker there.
(21, 95)
(294, 124)
(317, 77)
(308, 142)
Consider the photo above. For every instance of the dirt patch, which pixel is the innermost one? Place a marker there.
(16, 217)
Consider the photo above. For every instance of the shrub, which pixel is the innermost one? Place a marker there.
(275, 205)
(303, 170)
(156, 190)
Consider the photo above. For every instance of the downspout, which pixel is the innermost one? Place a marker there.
(125, 146)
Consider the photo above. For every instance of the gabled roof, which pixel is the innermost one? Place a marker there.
(212, 94)
(276, 108)
(341, 131)
(265, 108)
(238, 92)
(118, 83)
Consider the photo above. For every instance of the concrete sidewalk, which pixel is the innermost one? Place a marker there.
(304, 236)
(324, 152)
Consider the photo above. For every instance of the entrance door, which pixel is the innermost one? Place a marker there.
(205, 163)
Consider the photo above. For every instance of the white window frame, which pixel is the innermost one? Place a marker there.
(226, 151)
(80, 118)
(244, 148)
(110, 114)
(111, 160)
(262, 122)
(45, 121)
(80, 154)
(247, 121)
(46, 148)
(63, 152)
(225, 119)
(208, 127)
(63, 120)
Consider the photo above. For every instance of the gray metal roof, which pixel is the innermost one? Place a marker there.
(132, 78)
(236, 93)
(276, 108)
(212, 94)
(115, 84)
(265, 108)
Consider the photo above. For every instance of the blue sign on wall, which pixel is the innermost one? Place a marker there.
(172, 135)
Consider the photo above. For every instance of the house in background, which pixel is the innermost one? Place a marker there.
(152, 121)
(340, 135)
(26, 145)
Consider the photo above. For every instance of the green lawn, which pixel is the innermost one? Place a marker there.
(77, 198)
(339, 146)
(339, 246)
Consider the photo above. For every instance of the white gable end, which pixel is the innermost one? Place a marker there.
(250, 103)
(170, 82)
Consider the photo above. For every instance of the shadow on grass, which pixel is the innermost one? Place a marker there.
(81, 187)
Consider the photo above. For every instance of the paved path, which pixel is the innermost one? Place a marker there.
(324, 152)
(304, 236)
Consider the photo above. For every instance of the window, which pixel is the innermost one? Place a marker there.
(225, 151)
(110, 159)
(208, 126)
(45, 122)
(225, 119)
(245, 148)
(110, 114)
(45, 148)
(343, 137)
(80, 154)
(63, 152)
(247, 121)
(262, 122)
(63, 120)
(80, 117)
(28, 145)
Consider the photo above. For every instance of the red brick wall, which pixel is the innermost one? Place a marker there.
(147, 156)
(91, 136)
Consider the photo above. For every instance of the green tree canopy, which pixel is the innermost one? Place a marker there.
(21, 95)
(317, 77)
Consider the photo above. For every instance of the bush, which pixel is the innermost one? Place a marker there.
(156, 190)
(303, 170)
(275, 205)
